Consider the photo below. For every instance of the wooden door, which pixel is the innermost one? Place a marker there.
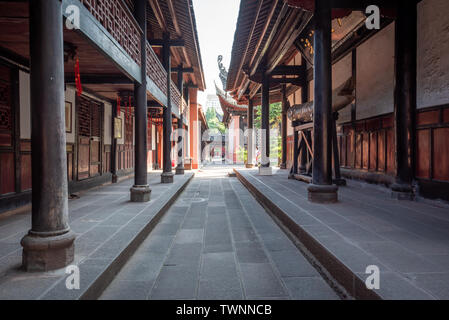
(95, 139)
(84, 128)
(89, 138)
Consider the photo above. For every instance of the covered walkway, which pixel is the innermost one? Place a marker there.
(407, 240)
(108, 229)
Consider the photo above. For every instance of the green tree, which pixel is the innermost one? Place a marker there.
(275, 117)
(212, 121)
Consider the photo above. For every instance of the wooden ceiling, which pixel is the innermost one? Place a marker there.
(178, 19)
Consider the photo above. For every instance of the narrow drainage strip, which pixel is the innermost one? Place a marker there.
(283, 221)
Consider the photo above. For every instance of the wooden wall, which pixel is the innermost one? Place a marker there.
(432, 143)
(368, 145)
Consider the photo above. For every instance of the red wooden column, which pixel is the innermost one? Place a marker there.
(49, 243)
(194, 128)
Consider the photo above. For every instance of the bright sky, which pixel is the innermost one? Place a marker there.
(216, 21)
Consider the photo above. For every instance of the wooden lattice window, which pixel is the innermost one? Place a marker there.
(84, 117)
(96, 120)
(129, 130)
(5, 107)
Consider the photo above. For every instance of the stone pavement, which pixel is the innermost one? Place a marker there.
(109, 228)
(408, 241)
(217, 242)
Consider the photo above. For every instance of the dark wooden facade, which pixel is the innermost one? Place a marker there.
(108, 48)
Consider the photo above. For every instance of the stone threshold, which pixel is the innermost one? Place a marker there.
(335, 262)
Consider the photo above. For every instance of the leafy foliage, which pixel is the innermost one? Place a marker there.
(275, 117)
(215, 125)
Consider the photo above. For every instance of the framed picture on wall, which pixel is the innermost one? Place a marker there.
(118, 127)
(68, 117)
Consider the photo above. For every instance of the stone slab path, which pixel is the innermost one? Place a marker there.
(217, 242)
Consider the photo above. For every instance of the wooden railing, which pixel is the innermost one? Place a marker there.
(155, 70)
(117, 19)
(115, 16)
(175, 95)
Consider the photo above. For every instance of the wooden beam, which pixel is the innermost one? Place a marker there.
(191, 86)
(258, 78)
(294, 81)
(172, 43)
(288, 70)
(99, 79)
(174, 17)
(265, 28)
(279, 49)
(14, 58)
(183, 70)
(362, 4)
(153, 104)
(266, 46)
(158, 14)
(242, 61)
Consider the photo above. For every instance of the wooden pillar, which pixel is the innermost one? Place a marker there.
(283, 164)
(295, 152)
(180, 167)
(167, 174)
(265, 168)
(141, 191)
(188, 129)
(338, 180)
(250, 152)
(114, 145)
(321, 190)
(194, 133)
(303, 147)
(49, 243)
(405, 98)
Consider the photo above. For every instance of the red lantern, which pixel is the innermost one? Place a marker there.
(79, 87)
(129, 105)
(126, 111)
